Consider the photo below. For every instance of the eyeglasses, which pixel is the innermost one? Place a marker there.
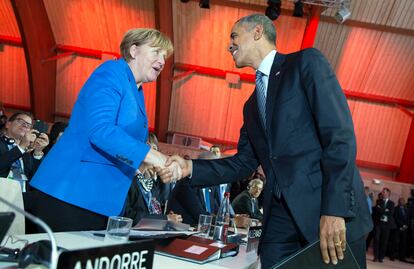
(257, 188)
(24, 123)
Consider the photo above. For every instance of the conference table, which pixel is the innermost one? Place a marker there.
(86, 239)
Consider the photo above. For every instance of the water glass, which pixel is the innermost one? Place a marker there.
(204, 225)
(118, 229)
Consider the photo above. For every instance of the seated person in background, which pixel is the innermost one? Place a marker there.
(55, 133)
(216, 151)
(144, 196)
(143, 199)
(21, 149)
(190, 202)
(246, 202)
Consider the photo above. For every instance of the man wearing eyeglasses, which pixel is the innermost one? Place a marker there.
(246, 202)
(21, 149)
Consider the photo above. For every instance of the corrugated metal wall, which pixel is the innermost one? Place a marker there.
(206, 106)
(372, 61)
(14, 83)
(396, 13)
(96, 25)
(367, 58)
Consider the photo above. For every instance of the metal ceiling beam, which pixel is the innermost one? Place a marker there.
(37, 44)
(11, 40)
(164, 23)
(311, 27)
(288, 12)
(214, 72)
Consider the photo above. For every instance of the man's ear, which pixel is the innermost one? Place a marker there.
(258, 32)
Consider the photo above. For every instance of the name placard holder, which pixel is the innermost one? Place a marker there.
(253, 237)
(137, 255)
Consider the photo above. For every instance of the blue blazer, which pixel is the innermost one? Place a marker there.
(93, 163)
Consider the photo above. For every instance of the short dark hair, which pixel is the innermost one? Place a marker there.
(15, 115)
(251, 21)
(387, 190)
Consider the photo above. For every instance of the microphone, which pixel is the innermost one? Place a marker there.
(41, 223)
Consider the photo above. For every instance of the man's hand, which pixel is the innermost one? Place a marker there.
(28, 139)
(40, 143)
(332, 234)
(174, 217)
(177, 172)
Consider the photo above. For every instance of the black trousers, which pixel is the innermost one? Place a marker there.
(60, 216)
(283, 238)
(369, 239)
(399, 244)
(381, 236)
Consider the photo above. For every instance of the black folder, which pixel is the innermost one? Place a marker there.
(311, 257)
(6, 220)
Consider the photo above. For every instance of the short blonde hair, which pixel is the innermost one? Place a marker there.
(141, 36)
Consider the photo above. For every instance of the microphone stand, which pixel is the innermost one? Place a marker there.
(41, 223)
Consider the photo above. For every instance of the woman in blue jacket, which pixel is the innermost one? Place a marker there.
(86, 176)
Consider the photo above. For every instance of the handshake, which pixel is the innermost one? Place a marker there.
(168, 168)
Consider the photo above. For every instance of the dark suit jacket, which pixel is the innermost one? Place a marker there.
(8, 157)
(400, 218)
(136, 207)
(309, 148)
(381, 210)
(242, 204)
(189, 201)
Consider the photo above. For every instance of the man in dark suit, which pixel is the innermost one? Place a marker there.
(384, 223)
(247, 203)
(402, 221)
(190, 201)
(20, 149)
(298, 126)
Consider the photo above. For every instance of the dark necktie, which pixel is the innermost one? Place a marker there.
(261, 103)
(261, 96)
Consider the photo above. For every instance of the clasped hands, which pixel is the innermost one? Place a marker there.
(168, 169)
(175, 165)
